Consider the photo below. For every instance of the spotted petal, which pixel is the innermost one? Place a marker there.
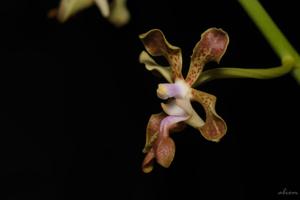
(215, 127)
(68, 8)
(157, 45)
(151, 65)
(211, 47)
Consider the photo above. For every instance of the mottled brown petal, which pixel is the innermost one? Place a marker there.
(152, 130)
(157, 45)
(148, 162)
(165, 151)
(215, 127)
(211, 47)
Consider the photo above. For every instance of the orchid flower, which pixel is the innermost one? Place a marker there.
(178, 111)
(116, 12)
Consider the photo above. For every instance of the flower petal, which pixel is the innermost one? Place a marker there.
(103, 7)
(119, 13)
(215, 127)
(151, 65)
(211, 47)
(157, 45)
(152, 130)
(69, 8)
(147, 165)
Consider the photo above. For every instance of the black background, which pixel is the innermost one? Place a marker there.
(75, 103)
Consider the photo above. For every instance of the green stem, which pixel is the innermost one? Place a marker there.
(272, 33)
(267, 73)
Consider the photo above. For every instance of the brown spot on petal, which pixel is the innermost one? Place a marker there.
(215, 127)
(211, 47)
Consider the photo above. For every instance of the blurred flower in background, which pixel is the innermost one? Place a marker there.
(116, 12)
